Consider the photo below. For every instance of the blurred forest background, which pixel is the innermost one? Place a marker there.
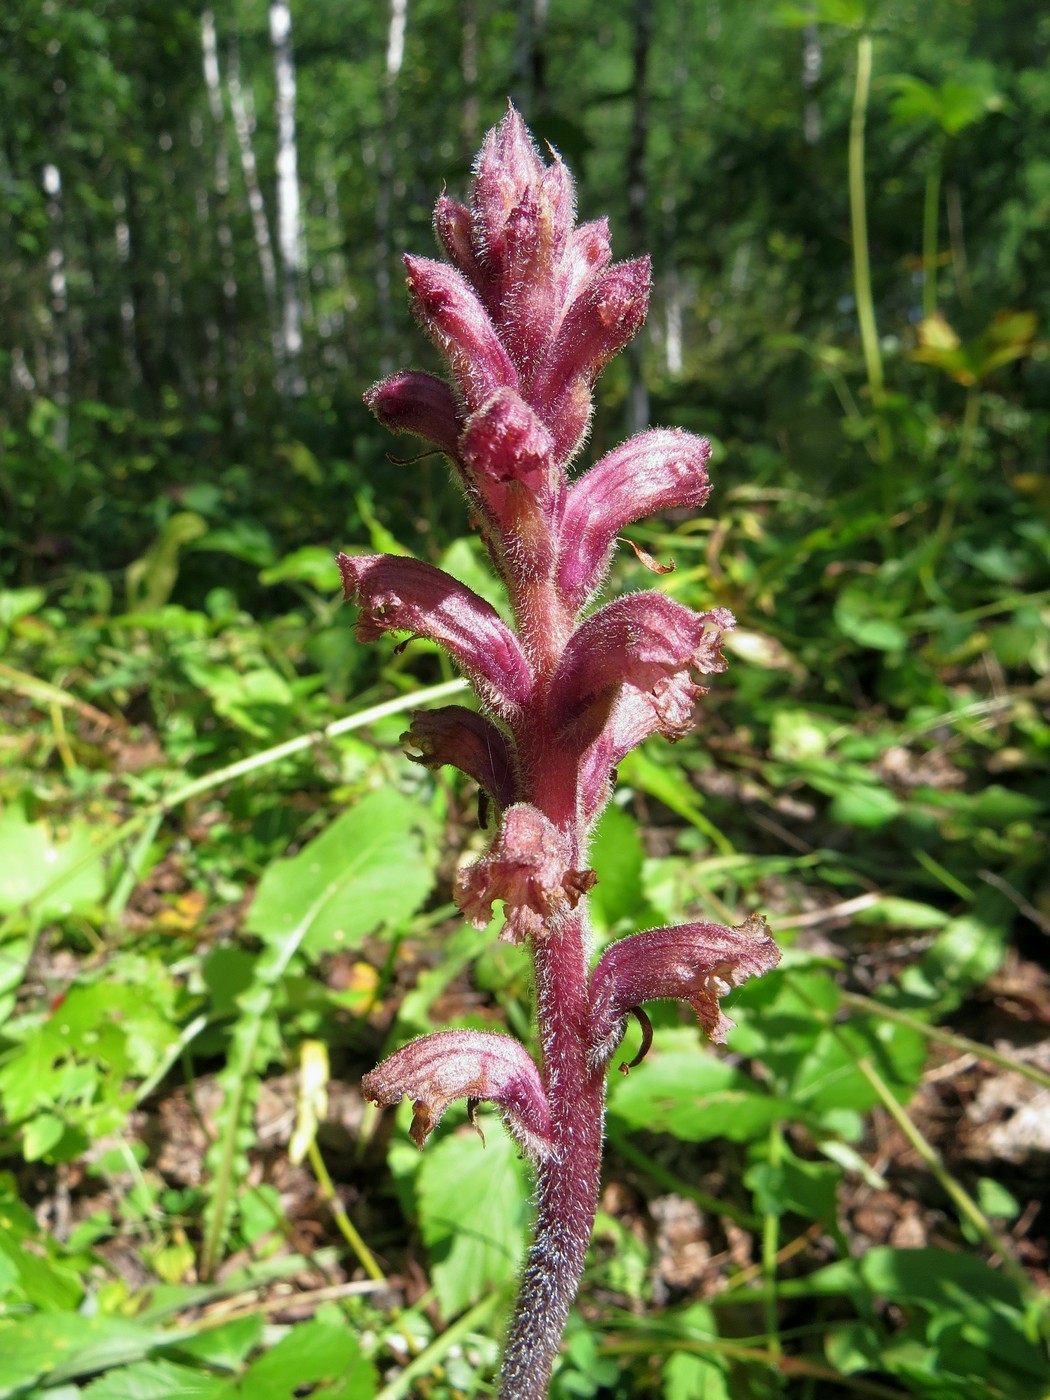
(223, 891)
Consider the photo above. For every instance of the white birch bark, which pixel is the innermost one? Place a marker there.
(58, 358)
(395, 53)
(122, 239)
(812, 61)
(210, 57)
(244, 127)
(289, 218)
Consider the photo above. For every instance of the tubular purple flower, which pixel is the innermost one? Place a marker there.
(605, 316)
(414, 402)
(654, 471)
(406, 595)
(695, 963)
(645, 643)
(452, 224)
(468, 741)
(457, 322)
(478, 1066)
(529, 869)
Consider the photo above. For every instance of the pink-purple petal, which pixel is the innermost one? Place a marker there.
(654, 471)
(456, 320)
(696, 963)
(407, 595)
(529, 867)
(414, 402)
(437, 1069)
(644, 643)
(468, 741)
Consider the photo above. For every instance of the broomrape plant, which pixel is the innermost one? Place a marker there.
(527, 314)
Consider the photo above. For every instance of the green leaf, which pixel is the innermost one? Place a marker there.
(32, 858)
(311, 564)
(694, 1096)
(368, 868)
(858, 616)
(867, 805)
(224, 1347)
(688, 1377)
(616, 856)
(473, 1214)
(793, 1184)
(63, 1345)
(156, 1380)
(19, 602)
(317, 1353)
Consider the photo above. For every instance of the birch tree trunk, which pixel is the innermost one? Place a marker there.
(289, 220)
(395, 54)
(58, 358)
(244, 126)
(812, 62)
(221, 338)
(637, 198)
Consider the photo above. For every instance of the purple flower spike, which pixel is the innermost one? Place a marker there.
(528, 868)
(435, 1070)
(528, 313)
(654, 471)
(696, 963)
(406, 595)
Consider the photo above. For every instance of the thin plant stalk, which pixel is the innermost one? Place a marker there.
(862, 258)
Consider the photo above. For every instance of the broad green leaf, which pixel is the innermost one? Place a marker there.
(19, 602)
(32, 857)
(312, 564)
(694, 1096)
(32, 1277)
(317, 1353)
(368, 868)
(156, 1380)
(688, 1377)
(867, 805)
(793, 1184)
(860, 617)
(63, 1345)
(798, 734)
(616, 856)
(473, 1213)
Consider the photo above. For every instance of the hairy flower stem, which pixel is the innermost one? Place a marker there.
(567, 1182)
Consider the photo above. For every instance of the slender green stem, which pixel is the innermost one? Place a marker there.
(964, 1203)
(954, 493)
(426, 1361)
(955, 1042)
(962, 1200)
(347, 1228)
(795, 1366)
(859, 232)
(770, 1246)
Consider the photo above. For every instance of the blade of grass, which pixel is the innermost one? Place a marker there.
(240, 769)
